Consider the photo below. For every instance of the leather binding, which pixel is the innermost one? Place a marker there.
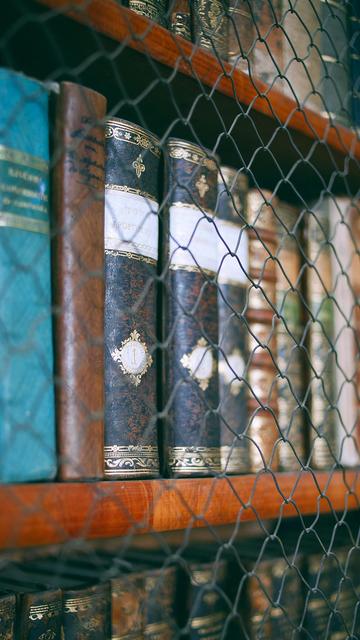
(321, 339)
(324, 574)
(354, 45)
(27, 422)
(78, 199)
(290, 329)
(260, 313)
(232, 290)
(127, 612)
(267, 53)
(180, 18)
(193, 435)
(86, 612)
(131, 254)
(153, 9)
(241, 34)
(160, 593)
(206, 605)
(211, 25)
(332, 41)
(301, 60)
(7, 616)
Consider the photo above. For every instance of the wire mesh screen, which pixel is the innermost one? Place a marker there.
(179, 319)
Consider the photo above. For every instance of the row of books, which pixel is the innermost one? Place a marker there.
(113, 599)
(310, 49)
(205, 339)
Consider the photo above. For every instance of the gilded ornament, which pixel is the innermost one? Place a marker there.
(133, 357)
(200, 363)
(139, 165)
(202, 185)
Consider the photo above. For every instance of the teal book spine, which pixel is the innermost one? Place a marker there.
(27, 422)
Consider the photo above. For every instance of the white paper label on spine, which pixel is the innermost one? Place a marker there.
(193, 239)
(131, 224)
(232, 240)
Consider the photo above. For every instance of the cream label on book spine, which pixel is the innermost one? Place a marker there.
(131, 225)
(233, 253)
(193, 239)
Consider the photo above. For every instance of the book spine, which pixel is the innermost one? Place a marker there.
(78, 198)
(192, 324)
(127, 614)
(39, 615)
(259, 592)
(7, 616)
(159, 604)
(131, 255)
(290, 329)
(354, 47)
(27, 423)
(180, 18)
(321, 340)
(323, 580)
(153, 9)
(211, 25)
(87, 613)
(232, 272)
(261, 303)
(207, 609)
(286, 592)
(267, 54)
(241, 34)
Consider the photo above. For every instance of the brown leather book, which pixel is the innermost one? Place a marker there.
(78, 201)
(127, 612)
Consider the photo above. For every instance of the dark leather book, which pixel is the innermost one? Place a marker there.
(154, 9)
(78, 204)
(86, 610)
(180, 18)
(290, 331)
(260, 313)
(240, 34)
(38, 608)
(232, 290)
(320, 329)
(127, 610)
(7, 616)
(191, 372)
(131, 255)
(159, 603)
(207, 605)
(267, 53)
(354, 48)
(211, 25)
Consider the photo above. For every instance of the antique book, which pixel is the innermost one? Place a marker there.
(131, 255)
(127, 607)
(354, 48)
(290, 330)
(86, 612)
(78, 205)
(211, 25)
(302, 65)
(323, 576)
(354, 222)
(27, 423)
(345, 259)
(191, 331)
(159, 603)
(240, 34)
(332, 41)
(207, 607)
(233, 280)
(267, 52)
(320, 327)
(154, 9)
(180, 18)
(262, 370)
(7, 616)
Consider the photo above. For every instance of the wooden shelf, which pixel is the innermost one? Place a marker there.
(139, 33)
(55, 513)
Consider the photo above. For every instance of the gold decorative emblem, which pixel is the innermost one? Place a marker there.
(133, 357)
(48, 635)
(200, 363)
(202, 186)
(139, 165)
(232, 371)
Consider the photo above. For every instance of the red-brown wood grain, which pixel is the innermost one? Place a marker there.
(37, 514)
(139, 33)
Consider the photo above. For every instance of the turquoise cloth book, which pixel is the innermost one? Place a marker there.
(27, 422)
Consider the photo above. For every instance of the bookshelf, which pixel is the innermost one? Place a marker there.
(52, 513)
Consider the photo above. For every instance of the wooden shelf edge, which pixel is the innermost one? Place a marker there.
(139, 33)
(54, 513)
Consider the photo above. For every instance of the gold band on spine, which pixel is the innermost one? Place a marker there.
(135, 192)
(234, 459)
(127, 132)
(190, 459)
(20, 157)
(215, 618)
(129, 460)
(181, 150)
(191, 268)
(14, 221)
(131, 256)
